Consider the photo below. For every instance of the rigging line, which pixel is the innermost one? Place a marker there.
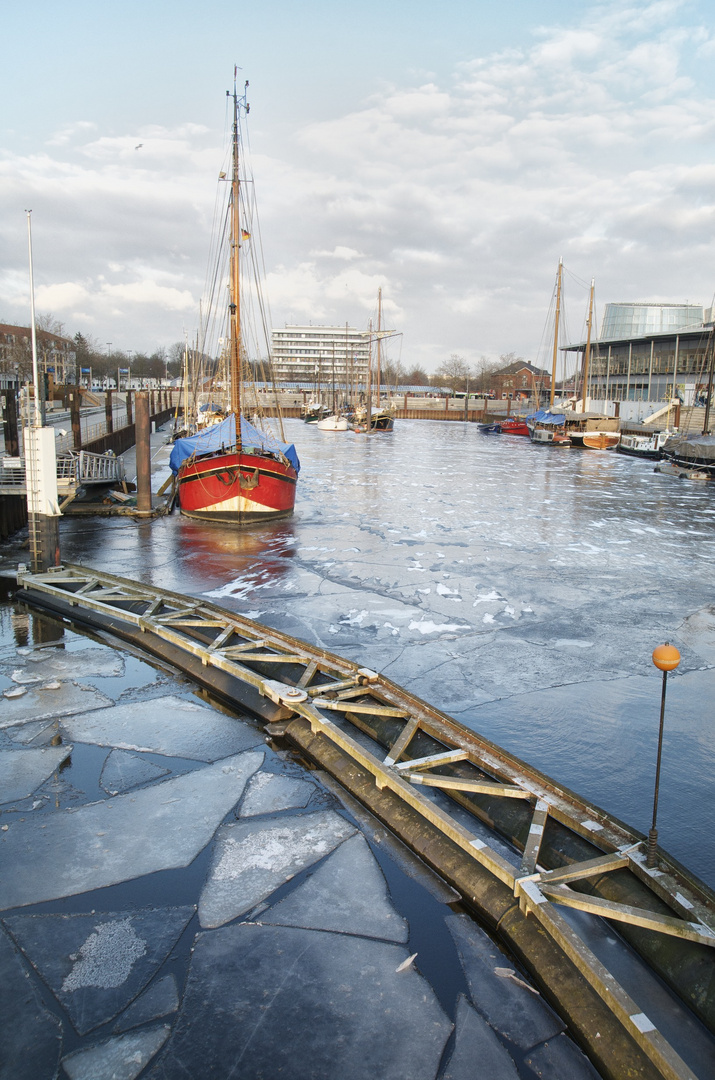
(579, 281)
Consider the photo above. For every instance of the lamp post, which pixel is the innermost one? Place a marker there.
(666, 658)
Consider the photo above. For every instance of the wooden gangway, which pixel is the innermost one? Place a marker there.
(456, 798)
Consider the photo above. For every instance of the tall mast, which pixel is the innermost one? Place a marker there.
(234, 285)
(379, 328)
(556, 332)
(587, 354)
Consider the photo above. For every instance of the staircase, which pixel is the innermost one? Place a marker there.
(692, 419)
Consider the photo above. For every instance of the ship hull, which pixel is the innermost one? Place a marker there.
(236, 488)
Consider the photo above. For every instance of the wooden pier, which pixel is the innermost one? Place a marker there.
(419, 770)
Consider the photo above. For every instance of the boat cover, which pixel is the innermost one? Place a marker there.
(692, 448)
(223, 436)
(543, 416)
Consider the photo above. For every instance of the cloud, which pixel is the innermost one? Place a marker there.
(457, 197)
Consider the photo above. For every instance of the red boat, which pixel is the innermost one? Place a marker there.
(514, 425)
(235, 483)
(233, 472)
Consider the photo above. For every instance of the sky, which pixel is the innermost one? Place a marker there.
(448, 153)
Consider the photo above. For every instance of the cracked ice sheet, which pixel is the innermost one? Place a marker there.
(123, 771)
(336, 1002)
(511, 1010)
(71, 664)
(121, 1058)
(96, 964)
(163, 826)
(22, 771)
(30, 1036)
(475, 1041)
(173, 726)
(347, 893)
(48, 704)
(252, 859)
(267, 793)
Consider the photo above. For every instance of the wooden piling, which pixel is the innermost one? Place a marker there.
(143, 432)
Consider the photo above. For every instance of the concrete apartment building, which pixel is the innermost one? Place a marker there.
(308, 354)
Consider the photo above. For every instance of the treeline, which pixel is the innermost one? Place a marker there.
(104, 362)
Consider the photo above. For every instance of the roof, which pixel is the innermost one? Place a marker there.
(520, 365)
(681, 332)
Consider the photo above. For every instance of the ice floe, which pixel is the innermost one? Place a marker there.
(267, 793)
(253, 858)
(96, 964)
(120, 1058)
(347, 893)
(22, 771)
(123, 770)
(303, 1003)
(30, 1036)
(34, 705)
(170, 725)
(155, 828)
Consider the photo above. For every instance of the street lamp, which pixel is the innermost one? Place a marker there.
(666, 658)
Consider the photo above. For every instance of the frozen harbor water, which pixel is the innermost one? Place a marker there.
(192, 901)
(520, 589)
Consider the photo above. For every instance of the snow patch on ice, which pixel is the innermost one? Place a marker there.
(107, 957)
(425, 626)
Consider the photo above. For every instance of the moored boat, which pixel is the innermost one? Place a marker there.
(692, 452)
(547, 428)
(514, 425)
(333, 423)
(599, 440)
(233, 472)
(644, 446)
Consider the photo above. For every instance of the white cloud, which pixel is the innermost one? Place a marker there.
(456, 197)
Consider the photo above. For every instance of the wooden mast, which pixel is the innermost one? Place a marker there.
(556, 332)
(379, 328)
(234, 289)
(369, 380)
(587, 354)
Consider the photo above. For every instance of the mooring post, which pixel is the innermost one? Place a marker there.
(75, 400)
(9, 416)
(143, 431)
(130, 418)
(43, 511)
(109, 412)
(666, 658)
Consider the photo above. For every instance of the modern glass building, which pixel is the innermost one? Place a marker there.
(650, 352)
(635, 320)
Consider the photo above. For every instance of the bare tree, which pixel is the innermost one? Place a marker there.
(454, 372)
(417, 377)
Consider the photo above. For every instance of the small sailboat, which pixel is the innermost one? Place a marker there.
(546, 427)
(235, 472)
(368, 418)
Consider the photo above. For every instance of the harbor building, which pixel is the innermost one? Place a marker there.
(320, 354)
(55, 355)
(650, 352)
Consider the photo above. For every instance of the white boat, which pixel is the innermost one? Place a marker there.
(333, 423)
(644, 446)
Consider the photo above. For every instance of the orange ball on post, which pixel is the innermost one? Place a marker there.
(666, 657)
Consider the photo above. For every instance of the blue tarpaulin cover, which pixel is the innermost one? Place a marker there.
(543, 416)
(223, 436)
